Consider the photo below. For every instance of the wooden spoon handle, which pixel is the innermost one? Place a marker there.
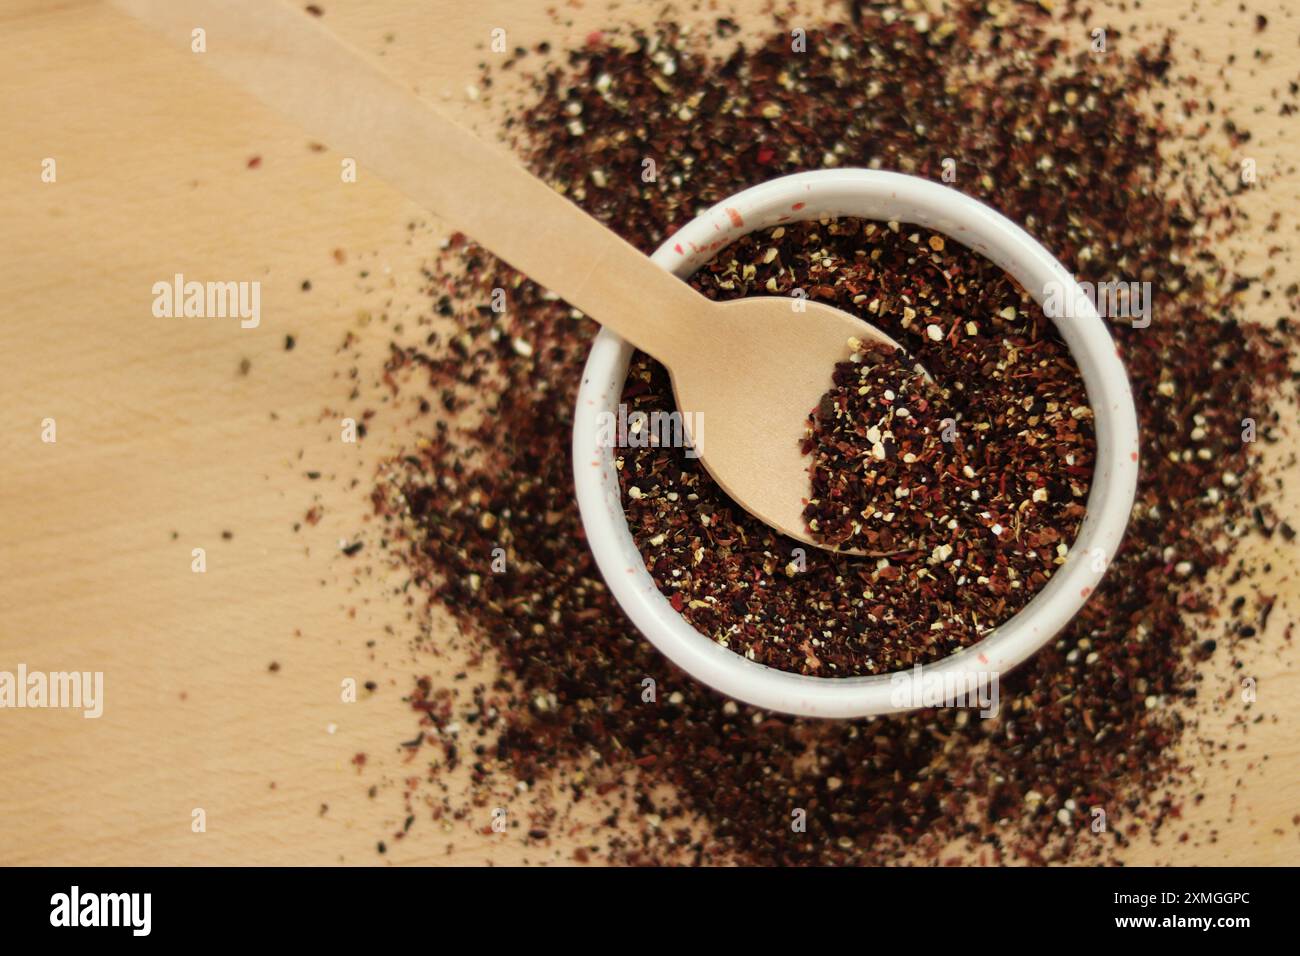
(293, 64)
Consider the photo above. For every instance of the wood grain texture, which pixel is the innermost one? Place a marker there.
(163, 444)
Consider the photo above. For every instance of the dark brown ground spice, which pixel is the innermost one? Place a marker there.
(1052, 139)
(961, 537)
(877, 446)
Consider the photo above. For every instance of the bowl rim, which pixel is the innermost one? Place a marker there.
(882, 196)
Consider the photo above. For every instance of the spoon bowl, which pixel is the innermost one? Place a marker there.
(747, 398)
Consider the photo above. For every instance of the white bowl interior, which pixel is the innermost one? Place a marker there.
(866, 194)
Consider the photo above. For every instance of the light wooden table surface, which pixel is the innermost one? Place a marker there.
(163, 445)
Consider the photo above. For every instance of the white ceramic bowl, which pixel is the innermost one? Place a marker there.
(883, 196)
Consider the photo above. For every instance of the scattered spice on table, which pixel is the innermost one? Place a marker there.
(1058, 139)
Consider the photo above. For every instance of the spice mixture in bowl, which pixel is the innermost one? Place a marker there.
(964, 496)
(968, 494)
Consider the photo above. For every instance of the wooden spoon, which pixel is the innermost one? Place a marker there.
(752, 369)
